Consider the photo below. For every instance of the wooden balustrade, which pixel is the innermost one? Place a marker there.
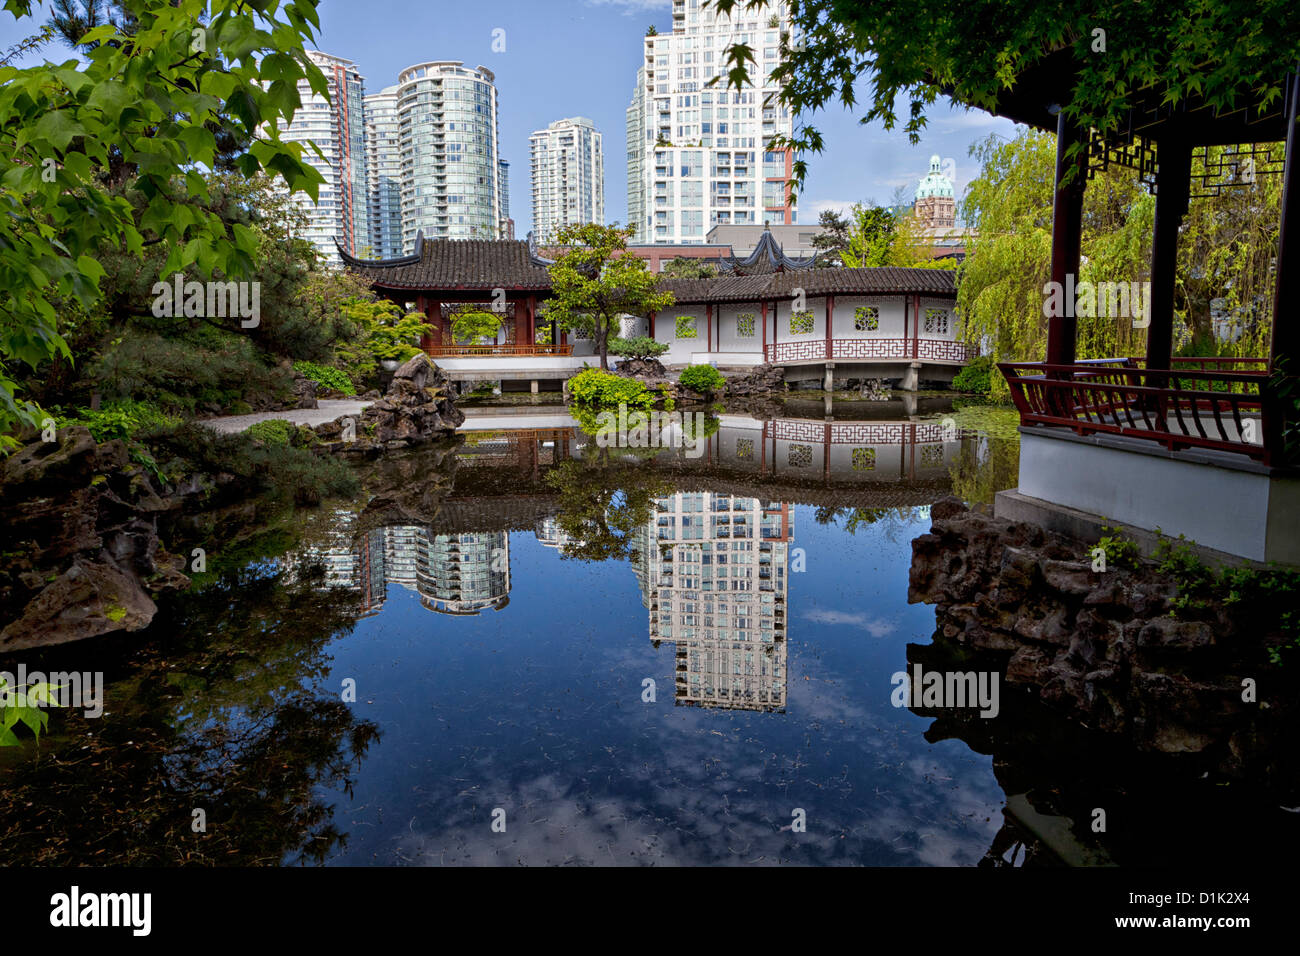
(1196, 403)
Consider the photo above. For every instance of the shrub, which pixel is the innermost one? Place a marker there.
(640, 347)
(119, 420)
(273, 431)
(331, 378)
(975, 377)
(702, 378)
(595, 388)
(1121, 552)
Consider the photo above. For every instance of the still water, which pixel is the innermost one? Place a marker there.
(522, 648)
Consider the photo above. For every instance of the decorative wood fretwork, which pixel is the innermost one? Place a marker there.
(1137, 154)
(1234, 168)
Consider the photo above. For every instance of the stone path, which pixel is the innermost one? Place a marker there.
(330, 409)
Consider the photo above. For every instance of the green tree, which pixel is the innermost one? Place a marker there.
(474, 326)
(688, 267)
(595, 283)
(104, 154)
(872, 230)
(833, 238)
(920, 51)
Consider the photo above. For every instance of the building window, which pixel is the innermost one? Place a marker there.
(936, 321)
(864, 459)
(745, 449)
(686, 327)
(745, 325)
(931, 455)
(800, 456)
(801, 323)
(866, 318)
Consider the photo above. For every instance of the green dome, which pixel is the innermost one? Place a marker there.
(935, 183)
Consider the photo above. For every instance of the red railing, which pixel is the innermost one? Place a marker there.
(871, 349)
(469, 351)
(1197, 403)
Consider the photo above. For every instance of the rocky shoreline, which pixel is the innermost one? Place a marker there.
(1102, 648)
(84, 553)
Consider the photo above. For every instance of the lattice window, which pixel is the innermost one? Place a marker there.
(745, 449)
(800, 456)
(801, 323)
(686, 327)
(866, 318)
(936, 321)
(745, 325)
(864, 459)
(931, 455)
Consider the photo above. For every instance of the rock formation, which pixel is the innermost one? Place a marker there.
(82, 548)
(417, 408)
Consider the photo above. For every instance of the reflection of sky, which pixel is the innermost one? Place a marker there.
(537, 709)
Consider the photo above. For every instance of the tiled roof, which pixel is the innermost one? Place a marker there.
(447, 264)
(483, 264)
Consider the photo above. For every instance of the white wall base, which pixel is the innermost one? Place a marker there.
(1242, 511)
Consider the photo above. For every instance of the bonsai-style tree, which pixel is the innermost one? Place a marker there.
(595, 283)
(641, 347)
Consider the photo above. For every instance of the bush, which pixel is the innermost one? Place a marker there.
(331, 378)
(118, 420)
(976, 377)
(594, 388)
(273, 431)
(702, 378)
(641, 347)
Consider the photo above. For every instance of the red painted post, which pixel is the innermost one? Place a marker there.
(830, 321)
(763, 304)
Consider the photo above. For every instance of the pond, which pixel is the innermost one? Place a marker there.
(525, 648)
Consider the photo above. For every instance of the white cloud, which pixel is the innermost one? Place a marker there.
(874, 626)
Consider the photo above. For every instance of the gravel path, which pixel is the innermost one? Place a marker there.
(330, 409)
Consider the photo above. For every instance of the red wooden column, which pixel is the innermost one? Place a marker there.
(763, 304)
(916, 325)
(905, 325)
(433, 318)
(1286, 300)
(708, 341)
(1067, 236)
(830, 321)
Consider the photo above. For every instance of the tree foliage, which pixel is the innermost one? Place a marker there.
(595, 283)
(1224, 51)
(105, 154)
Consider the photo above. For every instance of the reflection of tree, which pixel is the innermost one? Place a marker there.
(892, 520)
(984, 468)
(228, 717)
(604, 504)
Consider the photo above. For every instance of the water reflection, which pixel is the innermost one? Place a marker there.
(499, 603)
(712, 570)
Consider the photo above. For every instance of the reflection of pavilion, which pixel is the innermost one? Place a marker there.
(712, 569)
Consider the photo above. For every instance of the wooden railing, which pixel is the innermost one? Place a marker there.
(469, 351)
(1197, 403)
(869, 349)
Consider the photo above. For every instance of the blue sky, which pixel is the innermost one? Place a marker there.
(579, 58)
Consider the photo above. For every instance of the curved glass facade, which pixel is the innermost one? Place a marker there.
(447, 135)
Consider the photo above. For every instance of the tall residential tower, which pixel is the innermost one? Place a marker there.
(384, 174)
(702, 154)
(448, 140)
(337, 127)
(568, 174)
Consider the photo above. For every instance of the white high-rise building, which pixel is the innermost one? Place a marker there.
(448, 138)
(702, 157)
(636, 211)
(337, 127)
(568, 176)
(384, 175)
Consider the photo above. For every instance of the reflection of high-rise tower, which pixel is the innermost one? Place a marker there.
(714, 577)
(453, 574)
(464, 573)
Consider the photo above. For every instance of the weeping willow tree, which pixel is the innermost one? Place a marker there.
(1224, 287)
